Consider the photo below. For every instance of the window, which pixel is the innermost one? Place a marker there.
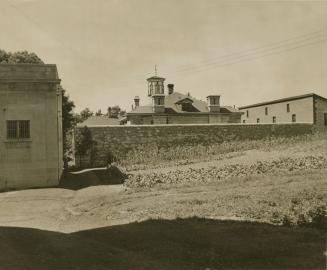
(274, 119)
(266, 110)
(18, 129)
(293, 118)
(247, 113)
(243, 121)
(287, 107)
(258, 120)
(150, 89)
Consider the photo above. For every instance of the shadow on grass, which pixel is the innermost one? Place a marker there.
(162, 244)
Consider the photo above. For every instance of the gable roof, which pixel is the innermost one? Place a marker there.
(184, 101)
(282, 100)
(101, 120)
(172, 101)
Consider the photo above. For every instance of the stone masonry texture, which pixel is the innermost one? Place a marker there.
(118, 140)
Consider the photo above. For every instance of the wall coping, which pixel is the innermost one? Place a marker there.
(182, 125)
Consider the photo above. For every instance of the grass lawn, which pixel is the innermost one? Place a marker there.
(156, 244)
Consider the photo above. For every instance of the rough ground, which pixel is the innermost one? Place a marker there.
(66, 229)
(67, 211)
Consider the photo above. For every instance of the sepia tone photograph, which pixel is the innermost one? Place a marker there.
(163, 135)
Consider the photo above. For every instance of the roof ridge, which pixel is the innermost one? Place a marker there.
(280, 100)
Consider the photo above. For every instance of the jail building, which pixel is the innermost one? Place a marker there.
(173, 107)
(308, 108)
(30, 126)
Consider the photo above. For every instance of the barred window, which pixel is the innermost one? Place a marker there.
(18, 129)
(12, 129)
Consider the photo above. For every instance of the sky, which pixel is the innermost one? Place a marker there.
(245, 51)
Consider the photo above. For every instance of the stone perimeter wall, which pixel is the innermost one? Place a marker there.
(120, 139)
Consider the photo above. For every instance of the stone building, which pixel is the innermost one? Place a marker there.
(177, 108)
(31, 126)
(308, 108)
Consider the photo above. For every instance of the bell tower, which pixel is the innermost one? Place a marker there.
(156, 92)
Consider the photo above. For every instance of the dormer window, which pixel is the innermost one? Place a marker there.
(186, 105)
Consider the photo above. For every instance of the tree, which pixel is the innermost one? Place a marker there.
(84, 143)
(114, 111)
(68, 123)
(85, 114)
(19, 57)
(98, 112)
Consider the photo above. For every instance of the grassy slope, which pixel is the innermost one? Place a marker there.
(179, 244)
(187, 243)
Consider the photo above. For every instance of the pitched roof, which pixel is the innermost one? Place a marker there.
(102, 120)
(282, 100)
(142, 109)
(171, 104)
(155, 77)
(29, 72)
(172, 101)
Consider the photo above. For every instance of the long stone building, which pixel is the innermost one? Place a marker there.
(308, 108)
(31, 126)
(177, 108)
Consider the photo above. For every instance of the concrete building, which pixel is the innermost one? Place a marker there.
(177, 108)
(31, 126)
(309, 108)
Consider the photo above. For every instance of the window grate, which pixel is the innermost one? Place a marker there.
(12, 129)
(18, 129)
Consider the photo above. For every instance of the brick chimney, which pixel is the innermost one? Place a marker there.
(170, 88)
(137, 101)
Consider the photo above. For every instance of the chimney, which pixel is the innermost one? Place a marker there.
(137, 101)
(170, 88)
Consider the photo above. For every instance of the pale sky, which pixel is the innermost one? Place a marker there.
(246, 51)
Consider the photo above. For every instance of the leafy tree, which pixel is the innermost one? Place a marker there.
(19, 57)
(122, 113)
(114, 111)
(84, 143)
(85, 114)
(68, 122)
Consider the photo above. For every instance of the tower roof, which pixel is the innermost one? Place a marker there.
(155, 78)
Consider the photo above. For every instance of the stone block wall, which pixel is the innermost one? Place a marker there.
(120, 139)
